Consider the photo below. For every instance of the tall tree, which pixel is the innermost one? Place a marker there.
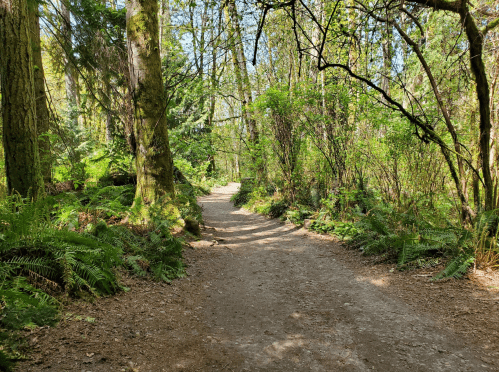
(243, 84)
(213, 82)
(22, 161)
(42, 112)
(239, 59)
(153, 157)
(70, 76)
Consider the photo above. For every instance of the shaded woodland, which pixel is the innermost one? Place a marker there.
(372, 121)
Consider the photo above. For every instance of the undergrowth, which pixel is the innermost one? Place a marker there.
(243, 195)
(73, 245)
(413, 238)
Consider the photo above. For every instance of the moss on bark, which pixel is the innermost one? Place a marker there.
(22, 161)
(153, 157)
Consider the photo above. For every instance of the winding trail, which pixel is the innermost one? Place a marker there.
(260, 296)
(288, 305)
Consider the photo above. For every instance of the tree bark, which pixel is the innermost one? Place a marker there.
(106, 100)
(214, 87)
(42, 112)
(153, 157)
(475, 39)
(164, 26)
(22, 161)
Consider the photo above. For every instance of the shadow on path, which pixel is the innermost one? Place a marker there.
(288, 305)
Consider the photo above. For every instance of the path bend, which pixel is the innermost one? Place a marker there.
(285, 303)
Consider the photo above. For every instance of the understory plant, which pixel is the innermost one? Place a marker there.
(413, 238)
(243, 195)
(72, 245)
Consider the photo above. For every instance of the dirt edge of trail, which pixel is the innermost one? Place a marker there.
(468, 306)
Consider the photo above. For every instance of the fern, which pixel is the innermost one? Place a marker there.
(411, 252)
(409, 237)
(456, 267)
(39, 265)
(137, 263)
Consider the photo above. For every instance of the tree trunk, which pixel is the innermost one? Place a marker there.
(42, 112)
(164, 27)
(70, 77)
(387, 57)
(244, 85)
(153, 157)
(475, 38)
(214, 87)
(241, 66)
(106, 99)
(22, 161)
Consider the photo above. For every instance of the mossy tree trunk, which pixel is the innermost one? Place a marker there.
(153, 157)
(42, 112)
(22, 162)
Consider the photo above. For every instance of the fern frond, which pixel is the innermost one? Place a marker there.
(456, 268)
(38, 265)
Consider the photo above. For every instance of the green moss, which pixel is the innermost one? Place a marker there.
(137, 25)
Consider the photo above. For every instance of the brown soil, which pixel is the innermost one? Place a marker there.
(267, 296)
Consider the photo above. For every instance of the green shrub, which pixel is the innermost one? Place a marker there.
(156, 252)
(187, 203)
(457, 267)
(25, 305)
(261, 207)
(243, 195)
(5, 363)
(297, 214)
(345, 230)
(43, 256)
(323, 225)
(277, 208)
(30, 242)
(410, 239)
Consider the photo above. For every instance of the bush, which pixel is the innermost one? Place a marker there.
(277, 208)
(243, 195)
(153, 250)
(187, 203)
(297, 214)
(32, 244)
(63, 246)
(408, 238)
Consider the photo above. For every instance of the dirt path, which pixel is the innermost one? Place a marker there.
(261, 296)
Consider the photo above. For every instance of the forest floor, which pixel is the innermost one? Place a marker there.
(262, 295)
